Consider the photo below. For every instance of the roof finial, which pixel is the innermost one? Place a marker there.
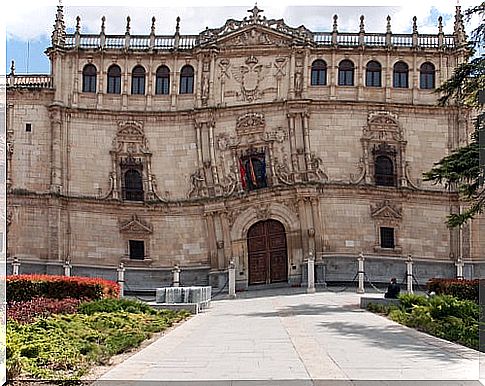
(335, 18)
(177, 27)
(128, 19)
(440, 24)
(255, 13)
(415, 26)
(459, 27)
(152, 31)
(12, 68)
(103, 19)
(78, 24)
(362, 29)
(388, 26)
(59, 34)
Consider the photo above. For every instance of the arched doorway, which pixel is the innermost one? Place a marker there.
(267, 253)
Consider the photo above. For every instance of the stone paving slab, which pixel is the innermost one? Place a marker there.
(296, 339)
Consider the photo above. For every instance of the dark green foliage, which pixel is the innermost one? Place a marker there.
(443, 316)
(65, 346)
(461, 169)
(114, 305)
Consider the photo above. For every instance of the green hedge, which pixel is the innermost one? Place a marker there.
(461, 289)
(26, 287)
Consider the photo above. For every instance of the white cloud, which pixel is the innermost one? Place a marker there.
(29, 20)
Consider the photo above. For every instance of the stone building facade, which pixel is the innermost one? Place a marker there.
(254, 142)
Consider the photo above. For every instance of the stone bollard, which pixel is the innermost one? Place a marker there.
(360, 259)
(459, 268)
(232, 279)
(67, 268)
(409, 274)
(15, 266)
(121, 279)
(176, 276)
(311, 273)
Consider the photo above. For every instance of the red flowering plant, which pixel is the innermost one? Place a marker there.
(27, 287)
(461, 289)
(28, 311)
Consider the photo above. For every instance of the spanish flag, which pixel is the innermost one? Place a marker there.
(243, 174)
(253, 176)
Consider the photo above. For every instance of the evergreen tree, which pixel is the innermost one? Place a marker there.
(462, 168)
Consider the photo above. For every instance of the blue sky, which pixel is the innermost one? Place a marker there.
(27, 41)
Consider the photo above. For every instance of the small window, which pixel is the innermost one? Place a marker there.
(138, 81)
(427, 76)
(133, 185)
(89, 78)
(319, 73)
(384, 171)
(346, 73)
(373, 74)
(114, 80)
(187, 80)
(400, 75)
(162, 81)
(28, 127)
(387, 237)
(137, 249)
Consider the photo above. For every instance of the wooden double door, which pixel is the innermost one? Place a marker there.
(267, 253)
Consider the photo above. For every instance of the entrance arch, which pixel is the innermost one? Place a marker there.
(267, 253)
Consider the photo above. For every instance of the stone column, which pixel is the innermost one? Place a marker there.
(459, 268)
(67, 268)
(311, 273)
(361, 259)
(176, 276)
(15, 266)
(306, 140)
(121, 279)
(232, 279)
(409, 274)
(212, 154)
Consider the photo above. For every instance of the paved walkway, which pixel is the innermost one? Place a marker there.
(293, 339)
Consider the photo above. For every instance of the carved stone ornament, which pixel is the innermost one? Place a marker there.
(283, 172)
(386, 210)
(250, 123)
(383, 126)
(198, 184)
(263, 212)
(267, 31)
(249, 77)
(136, 226)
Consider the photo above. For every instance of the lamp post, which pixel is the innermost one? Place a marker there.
(232, 279)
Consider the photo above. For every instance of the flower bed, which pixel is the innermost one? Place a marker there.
(461, 289)
(26, 287)
(66, 346)
(443, 316)
(30, 310)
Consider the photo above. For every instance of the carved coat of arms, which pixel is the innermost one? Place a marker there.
(249, 76)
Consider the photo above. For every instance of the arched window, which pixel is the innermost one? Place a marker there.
(133, 185)
(114, 80)
(373, 74)
(384, 171)
(89, 78)
(427, 76)
(401, 73)
(187, 80)
(319, 73)
(346, 73)
(138, 81)
(162, 81)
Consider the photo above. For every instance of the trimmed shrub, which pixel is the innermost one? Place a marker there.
(115, 305)
(27, 287)
(461, 289)
(27, 312)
